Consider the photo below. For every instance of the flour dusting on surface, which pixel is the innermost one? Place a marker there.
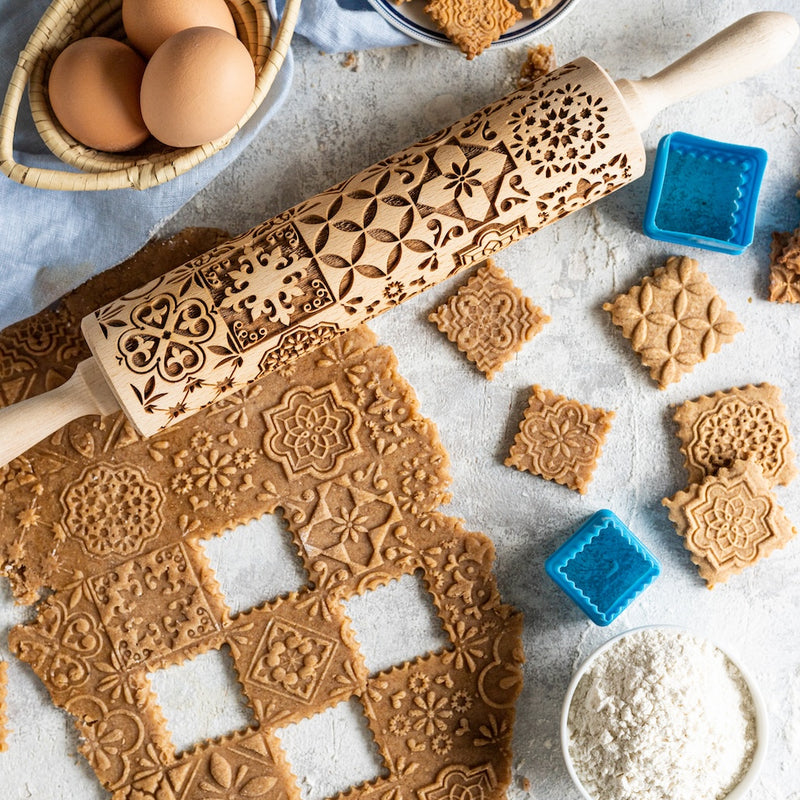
(661, 715)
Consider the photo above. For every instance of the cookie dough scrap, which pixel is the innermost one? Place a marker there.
(560, 439)
(784, 267)
(112, 524)
(674, 319)
(540, 61)
(729, 521)
(3, 712)
(538, 7)
(742, 423)
(473, 25)
(489, 319)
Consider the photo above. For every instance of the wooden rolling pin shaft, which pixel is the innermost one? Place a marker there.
(243, 309)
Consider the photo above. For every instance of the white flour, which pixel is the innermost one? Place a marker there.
(661, 715)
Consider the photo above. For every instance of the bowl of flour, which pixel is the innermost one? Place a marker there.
(658, 713)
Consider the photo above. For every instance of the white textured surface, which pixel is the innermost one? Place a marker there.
(339, 121)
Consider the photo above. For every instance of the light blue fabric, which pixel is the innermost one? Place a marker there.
(52, 241)
(336, 26)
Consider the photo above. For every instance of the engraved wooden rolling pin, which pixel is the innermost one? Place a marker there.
(214, 324)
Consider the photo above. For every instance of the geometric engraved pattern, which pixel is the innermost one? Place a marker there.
(674, 319)
(111, 526)
(113, 510)
(384, 235)
(310, 431)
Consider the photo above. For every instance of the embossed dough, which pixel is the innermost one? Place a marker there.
(489, 319)
(335, 441)
(742, 423)
(674, 319)
(729, 521)
(560, 439)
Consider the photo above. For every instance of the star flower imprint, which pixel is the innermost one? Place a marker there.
(310, 431)
(461, 180)
(560, 439)
(729, 521)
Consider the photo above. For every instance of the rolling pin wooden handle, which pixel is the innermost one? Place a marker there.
(751, 45)
(26, 423)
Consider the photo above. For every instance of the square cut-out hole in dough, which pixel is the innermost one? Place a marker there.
(255, 563)
(395, 623)
(201, 699)
(332, 751)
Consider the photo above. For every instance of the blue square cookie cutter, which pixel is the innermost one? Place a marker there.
(704, 193)
(602, 567)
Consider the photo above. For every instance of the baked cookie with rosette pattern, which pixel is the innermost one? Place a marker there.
(729, 521)
(489, 319)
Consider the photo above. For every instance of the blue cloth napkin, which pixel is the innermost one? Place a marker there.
(51, 241)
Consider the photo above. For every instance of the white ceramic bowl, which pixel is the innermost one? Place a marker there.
(411, 19)
(740, 790)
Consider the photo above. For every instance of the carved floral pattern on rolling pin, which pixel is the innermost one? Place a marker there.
(368, 243)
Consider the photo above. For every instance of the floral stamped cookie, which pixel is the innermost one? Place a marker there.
(560, 439)
(741, 423)
(489, 319)
(473, 24)
(674, 319)
(784, 267)
(729, 521)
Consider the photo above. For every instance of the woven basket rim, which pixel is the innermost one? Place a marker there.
(66, 20)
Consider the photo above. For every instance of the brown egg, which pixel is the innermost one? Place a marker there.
(149, 23)
(94, 92)
(196, 87)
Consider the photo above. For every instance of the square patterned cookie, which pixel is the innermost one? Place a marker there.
(729, 521)
(742, 423)
(489, 319)
(784, 267)
(674, 319)
(560, 439)
(473, 24)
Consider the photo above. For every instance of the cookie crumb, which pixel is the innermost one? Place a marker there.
(541, 60)
(351, 61)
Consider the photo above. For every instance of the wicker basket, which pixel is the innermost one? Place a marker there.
(152, 163)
